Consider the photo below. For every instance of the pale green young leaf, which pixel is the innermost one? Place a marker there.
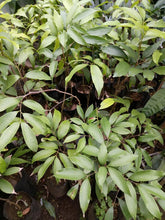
(156, 56)
(6, 187)
(53, 68)
(70, 173)
(160, 70)
(42, 154)
(118, 179)
(57, 165)
(132, 13)
(106, 103)
(149, 202)
(8, 102)
(63, 129)
(74, 70)
(6, 119)
(155, 33)
(24, 54)
(101, 176)
(29, 137)
(99, 31)
(56, 118)
(8, 135)
(148, 74)
(97, 78)
(34, 106)
(84, 13)
(146, 175)
(58, 21)
(81, 144)
(85, 195)
(96, 133)
(63, 38)
(44, 167)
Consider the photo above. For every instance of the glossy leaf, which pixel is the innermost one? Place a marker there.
(29, 137)
(71, 138)
(84, 195)
(8, 135)
(56, 118)
(97, 78)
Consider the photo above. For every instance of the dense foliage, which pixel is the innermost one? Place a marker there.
(59, 56)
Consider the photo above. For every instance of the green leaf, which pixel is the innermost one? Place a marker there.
(106, 103)
(5, 60)
(155, 33)
(76, 36)
(44, 167)
(102, 154)
(84, 195)
(70, 173)
(38, 75)
(80, 112)
(3, 165)
(12, 170)
(122, 160)
(42, 154)
(148, 74)
(73, 191)
(156, 56)
(122, 69)
(160, 70)
(6, 119)
(65, 160)
(9, 81)
(50, 208)
(147, 157)
(24, 54)
(84, 13)
(74, 70)
(97, 78)
(155, 104)
(131, 200)
(82, 161)
(47, 41)
(121, 130)
(105, 124)
(53, 68)
(146, 175)
(8, 135)
(95, 132)
(8, 102)
(99, 31)
(34, 106)
(114, 51)
(91, 150)
(6, 187)
(149, 202)
(71, 138)
(57, 165)
(153, 190)
(81, 144)
(119, 180)
(56, 118)
(109, 214)
(63, 129)
(101, 176)
(89, 39)
(124, 209)
(132, 13)
(29, 137)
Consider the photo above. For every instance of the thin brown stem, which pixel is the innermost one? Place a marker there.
(10, 202)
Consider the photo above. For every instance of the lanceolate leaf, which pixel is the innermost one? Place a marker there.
(42, 155)
(29, 137)
(3, 165)
(6, 119)
(106, 103)
(45, 166)
(8, 135)
(119, 180)
(153, 190)
(149, 203)
(34, 106)
(74, 70)
(95, 132)
(97, 78)
(114, 51)
(146, 175)
(102, 154)
(84, 195)
(38, 75)
(63, 129)
(70, 174)
(82, 161)
(8, 102)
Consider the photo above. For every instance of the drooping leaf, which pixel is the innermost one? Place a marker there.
(8, 135)
(29, 137)
(109, 214)
(84, 195)
(73, 191)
